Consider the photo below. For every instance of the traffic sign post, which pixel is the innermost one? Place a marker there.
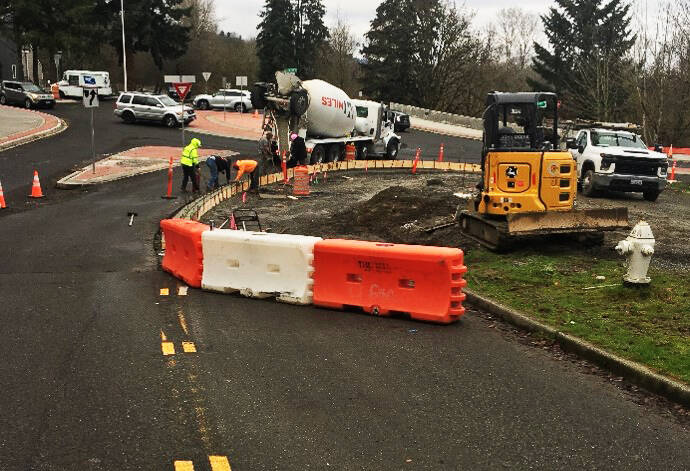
(206, 75)
(182, 89)
(241, 81)
(90, 100)
(225, 86)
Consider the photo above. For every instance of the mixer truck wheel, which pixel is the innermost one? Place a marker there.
(361, 152)
(334, 153)
(392, 149)
(318, 155)
(299, 102)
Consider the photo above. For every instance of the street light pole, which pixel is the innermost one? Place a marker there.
(124, 55)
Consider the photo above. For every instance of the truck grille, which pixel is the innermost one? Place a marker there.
(637, 165)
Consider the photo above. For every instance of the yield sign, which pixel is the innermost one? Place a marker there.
(182, 89)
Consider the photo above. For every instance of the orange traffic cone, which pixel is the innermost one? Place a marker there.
(2, 198)
(256, 113)
(36, 187)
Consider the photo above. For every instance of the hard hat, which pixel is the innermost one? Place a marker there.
(293, 136)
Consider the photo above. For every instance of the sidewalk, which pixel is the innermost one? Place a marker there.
(233, 124)
(131, 162)
(19, 126)
(445, 129)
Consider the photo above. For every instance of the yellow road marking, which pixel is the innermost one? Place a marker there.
(165, 291)
(219, 463)
(183, 322)
(188, 347)
(182, 290)
(184, 466)
(168, 348)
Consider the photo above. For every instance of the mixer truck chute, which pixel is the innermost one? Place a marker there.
(328, 118)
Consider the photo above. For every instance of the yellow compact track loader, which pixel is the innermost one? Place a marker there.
(528, 184)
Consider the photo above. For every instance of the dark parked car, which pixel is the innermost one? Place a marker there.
(401, 121)
(25, 94)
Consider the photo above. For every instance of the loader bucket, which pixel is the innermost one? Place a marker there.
(573, 221)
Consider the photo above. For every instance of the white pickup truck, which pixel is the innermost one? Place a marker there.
(618, 161)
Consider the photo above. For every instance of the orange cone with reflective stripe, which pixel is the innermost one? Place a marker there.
(2, 198)
(36, 187)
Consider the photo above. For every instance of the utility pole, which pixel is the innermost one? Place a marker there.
(124, 54)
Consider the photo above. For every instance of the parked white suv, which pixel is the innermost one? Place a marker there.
(238, 100)
(138, 106)
(618, 161)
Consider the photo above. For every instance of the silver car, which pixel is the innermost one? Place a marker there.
(135, 106)
(238, 100)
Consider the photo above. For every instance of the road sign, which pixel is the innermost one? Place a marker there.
(87, 80)
(207, 75)
(179, 78)
(291, 70)
(90, 97)
(241, 81)
(182, 89)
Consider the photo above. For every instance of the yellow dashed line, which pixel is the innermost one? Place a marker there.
(168, 348)
(165, 291)
(183, 322)
(184, 466)
(188, 347)
(219, 463)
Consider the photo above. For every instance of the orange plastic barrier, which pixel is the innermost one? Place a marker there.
(424, 282)
(184, 257)
(301, 181)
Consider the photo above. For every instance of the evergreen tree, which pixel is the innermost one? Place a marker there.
(154, 26)
(310, 35)
(275, 42)
(389, 51)
(589, 40)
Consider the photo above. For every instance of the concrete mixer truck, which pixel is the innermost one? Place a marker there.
(328, 119)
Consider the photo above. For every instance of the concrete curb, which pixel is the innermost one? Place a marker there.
(57, 129)
(442, 133)
(630, 370)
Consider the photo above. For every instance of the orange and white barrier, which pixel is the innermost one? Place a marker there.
(259, 264)
(184, 257)
(424, 282)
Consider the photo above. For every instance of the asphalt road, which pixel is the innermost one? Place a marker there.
(272, 386)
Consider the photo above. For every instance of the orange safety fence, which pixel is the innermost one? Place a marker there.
(184, 256)
(383, 279)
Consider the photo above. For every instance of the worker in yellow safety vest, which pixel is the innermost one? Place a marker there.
(190, 164)
(249, 167)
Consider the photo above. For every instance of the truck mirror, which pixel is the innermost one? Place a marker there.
(570, 143)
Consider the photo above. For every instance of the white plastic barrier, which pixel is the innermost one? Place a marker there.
(259, 264)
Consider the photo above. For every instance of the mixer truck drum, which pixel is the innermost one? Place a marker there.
(299, 102)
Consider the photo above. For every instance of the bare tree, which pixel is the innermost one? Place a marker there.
(516, 31)
(339, 66)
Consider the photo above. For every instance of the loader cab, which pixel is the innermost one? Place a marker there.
(519, 122)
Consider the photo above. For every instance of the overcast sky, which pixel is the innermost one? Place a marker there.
(242, 16)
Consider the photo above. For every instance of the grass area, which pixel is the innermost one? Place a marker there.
(680, 187)
(650, 325)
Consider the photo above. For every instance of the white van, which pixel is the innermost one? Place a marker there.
(69, 85)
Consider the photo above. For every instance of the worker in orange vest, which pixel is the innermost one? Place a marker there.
(248, 167)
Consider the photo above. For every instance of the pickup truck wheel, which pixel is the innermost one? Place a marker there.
(170, 121)
(317, 154)
(128, 117)
(27, 104)
(588, 184)
(651, 195)
(203, 105)
(3, 100)
(334, 153)
(392, 149)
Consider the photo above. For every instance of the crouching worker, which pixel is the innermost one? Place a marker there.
(217, 164)
(248, 167)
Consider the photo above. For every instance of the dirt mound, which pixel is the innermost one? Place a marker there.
(397, 214)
